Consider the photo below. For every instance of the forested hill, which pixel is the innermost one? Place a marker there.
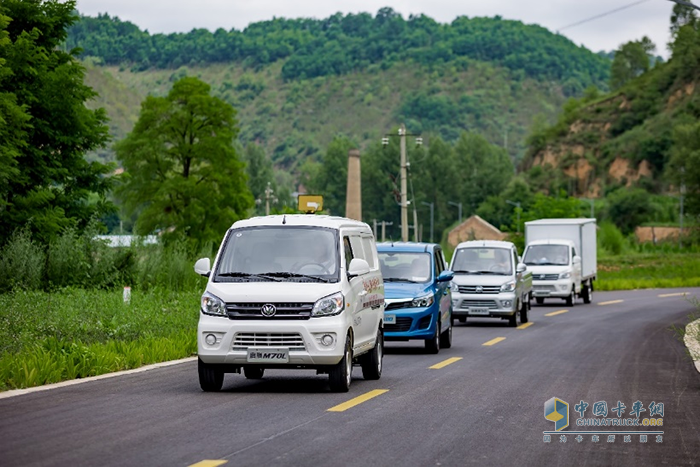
(298, 83)
(343, 43)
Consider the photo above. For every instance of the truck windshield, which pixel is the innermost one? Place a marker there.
(483, 261)
(405, 267)
(543, 255)
(273, 254)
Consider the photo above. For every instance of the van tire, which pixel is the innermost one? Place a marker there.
(523, 311)
(340, 374)
(539, 300)
(446, 337)
(371, 362)
(432, 345)
(462, 319)
(571, 299)
(513, 320)
(253, 372)
(211, 378)
(587, 294)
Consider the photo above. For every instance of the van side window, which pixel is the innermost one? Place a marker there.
(370, 256)
(356, 244)
(439, 266)
(573, 253)
(348, 252)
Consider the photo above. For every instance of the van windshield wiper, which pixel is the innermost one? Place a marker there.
(248, 274)
(398, 279)
(294, 274)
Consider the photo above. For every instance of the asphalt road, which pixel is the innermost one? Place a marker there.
(487, 408)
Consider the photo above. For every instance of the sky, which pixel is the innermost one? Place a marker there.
(643, 17)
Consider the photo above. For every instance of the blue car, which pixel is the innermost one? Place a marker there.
(417, 296)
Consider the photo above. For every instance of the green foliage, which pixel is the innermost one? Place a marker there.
(21, 262)
(685, 163)
(546, 207)
(72, 333)
(183, 173)
(628, 208)
(643, 271)
(631, 60)
(341, 44)
(610, 239)
(46, 128)
(330, 178)
(260, 175)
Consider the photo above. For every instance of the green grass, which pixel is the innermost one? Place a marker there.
(74, 333)
(645, 271)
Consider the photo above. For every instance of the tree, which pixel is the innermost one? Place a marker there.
(45, 127)
(631, 60)
(331, 178)
(183, 175)
(680, 16)
(260, 172)
(685, 162)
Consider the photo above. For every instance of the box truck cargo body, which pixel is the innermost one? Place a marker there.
(561, 253)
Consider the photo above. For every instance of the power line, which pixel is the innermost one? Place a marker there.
(630, 5)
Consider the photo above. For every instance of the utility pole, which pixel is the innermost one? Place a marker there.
(404, 195)
(517, 210)
(404, 189)
(432, 205)
(384, 224)
(268, 197)
(459, 207)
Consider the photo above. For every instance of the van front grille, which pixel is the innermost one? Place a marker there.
(292, 340)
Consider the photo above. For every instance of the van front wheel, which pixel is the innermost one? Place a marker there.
(211, 378)
(371, 362)
(340, 375)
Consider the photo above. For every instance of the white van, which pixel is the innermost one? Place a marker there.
(292, 291)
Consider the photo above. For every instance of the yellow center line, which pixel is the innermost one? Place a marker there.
(681, 294)
(611, 302)
(554, 313)
(208, 463)
(494, 341)
(444, 363)
(357, 401)
(525, 326)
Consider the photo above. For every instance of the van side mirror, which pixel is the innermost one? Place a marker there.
(520, 268)
(358, 267)
(446, 276)
(577, 259)
(203, 267)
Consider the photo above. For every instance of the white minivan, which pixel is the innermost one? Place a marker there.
(292, 291)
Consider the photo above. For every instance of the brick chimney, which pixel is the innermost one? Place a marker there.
(353, 203)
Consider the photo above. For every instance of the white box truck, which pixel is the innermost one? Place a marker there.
(561, 253)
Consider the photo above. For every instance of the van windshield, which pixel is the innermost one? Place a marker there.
(543, 255)
(483, 261)
(273, 254)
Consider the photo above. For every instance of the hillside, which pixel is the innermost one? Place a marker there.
(297, 83)
(621, 139)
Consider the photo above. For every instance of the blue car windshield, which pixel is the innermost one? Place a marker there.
(405, 267)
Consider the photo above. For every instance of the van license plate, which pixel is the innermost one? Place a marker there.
(268, 355)
(479, 311)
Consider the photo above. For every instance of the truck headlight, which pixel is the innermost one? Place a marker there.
(422, 302)
(213, 305)
(508, 287)
(329, 306)
(564, 275)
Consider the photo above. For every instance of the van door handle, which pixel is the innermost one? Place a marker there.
(362, 294)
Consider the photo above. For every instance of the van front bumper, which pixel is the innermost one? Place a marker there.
(233, 340)
(556, 289)
(483, 305)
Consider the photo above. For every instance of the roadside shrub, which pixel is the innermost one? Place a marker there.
(21, 262)
(610, 239)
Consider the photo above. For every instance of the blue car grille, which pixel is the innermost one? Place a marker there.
(402, 324)
(396, 306)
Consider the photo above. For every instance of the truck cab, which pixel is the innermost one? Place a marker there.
(490, 282)
(556, 270)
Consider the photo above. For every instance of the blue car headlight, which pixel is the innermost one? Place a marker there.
(422, 302)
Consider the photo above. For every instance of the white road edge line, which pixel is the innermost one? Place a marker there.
(62, 384)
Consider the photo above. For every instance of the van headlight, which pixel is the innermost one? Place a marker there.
(565, 275)
(508, 286)
(213, 305)
(422, 302)
(329, 306)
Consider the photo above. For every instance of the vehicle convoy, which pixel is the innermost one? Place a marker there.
(561, 253)
(418, 303)
(292, 291)
(490, 282)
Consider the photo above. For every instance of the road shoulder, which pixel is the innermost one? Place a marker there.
(692, 342)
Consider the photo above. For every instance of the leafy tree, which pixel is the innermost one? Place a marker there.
(685, 162)
(260, 172)
(331, 178)
(631, 60)
(548, 207)
(45, 127)
(182, 169)
(628, 208)
(680, 16)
